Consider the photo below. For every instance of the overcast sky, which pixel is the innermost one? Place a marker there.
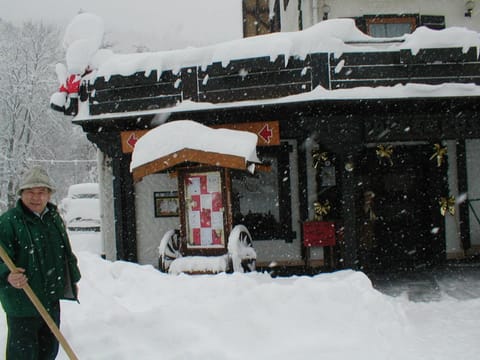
(157, 24)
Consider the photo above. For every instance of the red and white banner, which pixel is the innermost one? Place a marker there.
(205, 209)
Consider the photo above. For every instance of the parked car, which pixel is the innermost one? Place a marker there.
(81, 207)
(81, 212)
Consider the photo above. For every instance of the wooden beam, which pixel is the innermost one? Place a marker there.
(189, 155)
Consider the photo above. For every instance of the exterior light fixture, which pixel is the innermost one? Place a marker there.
(469, 6)
(349, 166)
(326, 11)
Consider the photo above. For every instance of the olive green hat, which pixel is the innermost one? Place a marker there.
(35, 177)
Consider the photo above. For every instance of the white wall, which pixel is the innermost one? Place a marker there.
(452, 222)
(453, 10)
(150, 229)
(473, 176)
(105, 180)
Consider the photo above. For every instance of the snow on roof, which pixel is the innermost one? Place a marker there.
(174, 136)
(334, 36)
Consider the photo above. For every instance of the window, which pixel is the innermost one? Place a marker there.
(390, 26)
(261, 201)
(397, 25)
(258, 19)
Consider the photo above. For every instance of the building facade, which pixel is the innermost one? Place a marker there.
(376, 136)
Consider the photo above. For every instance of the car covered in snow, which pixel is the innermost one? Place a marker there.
(81, 213)
(81, 207)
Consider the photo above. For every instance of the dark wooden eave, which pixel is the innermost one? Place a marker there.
(189, 155)
(447, 117)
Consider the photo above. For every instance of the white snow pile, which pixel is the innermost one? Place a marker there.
(82, 42)
(128, 311)
(84, 35)
(335, 36)
(83, 38)
(199, 264)
(174, 136)
(453, 37)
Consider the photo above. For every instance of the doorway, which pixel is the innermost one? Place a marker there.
(401, 227)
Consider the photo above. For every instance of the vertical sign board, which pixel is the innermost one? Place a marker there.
(204, 209)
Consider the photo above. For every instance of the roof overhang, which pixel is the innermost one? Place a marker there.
(186, 155)
(382, 97)
(186, 141)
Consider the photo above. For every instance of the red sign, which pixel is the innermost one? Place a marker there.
(318, 233)
(130, 138)
(268, 132)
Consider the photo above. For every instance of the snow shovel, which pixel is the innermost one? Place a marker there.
(41, 309)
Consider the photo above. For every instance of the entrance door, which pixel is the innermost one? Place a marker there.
(406, 224)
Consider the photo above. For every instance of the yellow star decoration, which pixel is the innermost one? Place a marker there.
(447, 205)
(439, 153)
(385, 152)
(321, 209)
(318, 156)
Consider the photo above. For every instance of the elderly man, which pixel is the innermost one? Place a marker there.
(34, 236)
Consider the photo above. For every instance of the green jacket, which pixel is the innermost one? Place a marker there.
(41, 247)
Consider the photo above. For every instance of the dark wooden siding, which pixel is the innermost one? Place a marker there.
(252, 79)
(428, 66)
(261, 78)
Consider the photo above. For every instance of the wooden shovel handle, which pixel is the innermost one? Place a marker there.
(41, 309)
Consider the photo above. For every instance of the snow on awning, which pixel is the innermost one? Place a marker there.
(182, 141)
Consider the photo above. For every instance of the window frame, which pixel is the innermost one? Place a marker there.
(284, 230)
(255, 11)
(410, 19)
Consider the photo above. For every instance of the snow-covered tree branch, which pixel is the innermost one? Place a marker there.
(28, 128)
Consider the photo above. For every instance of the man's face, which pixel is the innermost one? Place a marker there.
(36, 198)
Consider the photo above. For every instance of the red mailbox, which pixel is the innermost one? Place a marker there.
(318, 233)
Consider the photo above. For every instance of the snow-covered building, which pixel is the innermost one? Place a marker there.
(367, 120)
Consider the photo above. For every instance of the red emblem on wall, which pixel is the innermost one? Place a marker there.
(266, 133)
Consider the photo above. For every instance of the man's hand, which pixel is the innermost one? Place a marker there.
(17, 279)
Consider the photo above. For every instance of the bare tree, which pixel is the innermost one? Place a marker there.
(28, 128)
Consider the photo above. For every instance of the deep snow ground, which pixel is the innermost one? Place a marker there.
(129, 311)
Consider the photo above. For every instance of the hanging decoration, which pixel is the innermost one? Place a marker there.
(384, 154)
(321, 209)
(439, 154)
(447, 205)
(319, 157)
